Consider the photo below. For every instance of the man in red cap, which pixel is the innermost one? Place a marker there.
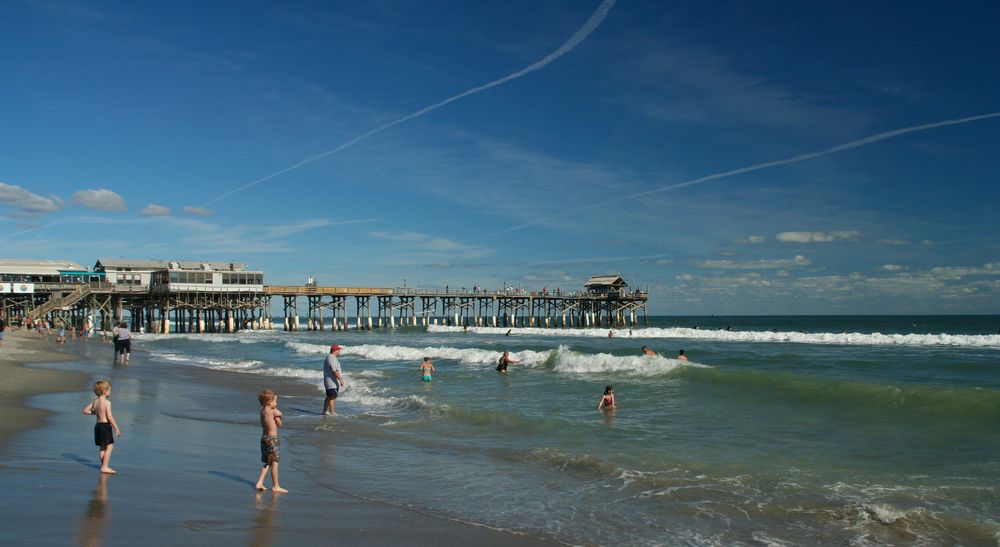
(333, 380)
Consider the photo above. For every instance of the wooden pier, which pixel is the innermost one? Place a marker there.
(194, 311)
(203, 297)
(471, 308)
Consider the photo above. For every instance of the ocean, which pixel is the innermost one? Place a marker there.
(777, 430)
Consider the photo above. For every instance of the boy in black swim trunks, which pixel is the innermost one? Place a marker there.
(270, 455)
(106, 428)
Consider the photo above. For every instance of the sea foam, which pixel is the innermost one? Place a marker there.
(844, 338)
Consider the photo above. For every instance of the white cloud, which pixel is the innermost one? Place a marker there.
(429, 246)
(26, 202)
(799, 260)
(893, 241)
(198, 211)
(818, 237)
(101, 199)
(891, 267)
(153, 210)
(752, 240)
(958, 272)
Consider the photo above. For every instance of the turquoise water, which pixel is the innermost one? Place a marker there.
(792, 430)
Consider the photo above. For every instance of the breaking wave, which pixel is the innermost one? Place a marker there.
(844, 338)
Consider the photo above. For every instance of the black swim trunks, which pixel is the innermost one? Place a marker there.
(270, 449)
(125, 345)
(333, 392)
(103, 434)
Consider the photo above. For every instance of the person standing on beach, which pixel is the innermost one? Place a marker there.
(504, 361)
(426, 368)
(270, 454)
(333, 380)
(106, 428)
(124, 343)
(3, 327)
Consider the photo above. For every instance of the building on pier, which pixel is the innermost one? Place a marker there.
(162, 296)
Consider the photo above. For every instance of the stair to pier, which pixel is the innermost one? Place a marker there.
(63, 301)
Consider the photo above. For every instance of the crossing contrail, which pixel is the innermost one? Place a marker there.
(579, 36)
(766, 165)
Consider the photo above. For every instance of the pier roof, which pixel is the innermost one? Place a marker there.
(155, 264)
(38, 267)
(605, 281)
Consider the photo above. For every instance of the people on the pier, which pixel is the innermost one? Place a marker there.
(504, 361)
(681, 356)
(333, 380)
(646, 350)
(426, 369)
(608, 399)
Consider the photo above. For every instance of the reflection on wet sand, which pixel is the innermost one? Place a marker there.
(94, 520)
(260, 534)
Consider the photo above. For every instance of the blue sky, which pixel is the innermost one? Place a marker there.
(317, 138)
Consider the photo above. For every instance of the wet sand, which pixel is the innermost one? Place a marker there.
(181, 480)
(19, 351)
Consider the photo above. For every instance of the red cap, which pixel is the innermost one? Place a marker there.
(334, 348)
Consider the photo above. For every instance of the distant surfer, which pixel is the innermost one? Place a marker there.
(504, 361)
(681, 356)
(508, 332)
(646, 350)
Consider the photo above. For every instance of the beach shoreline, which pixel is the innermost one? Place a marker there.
(180, 480)
(22, 381)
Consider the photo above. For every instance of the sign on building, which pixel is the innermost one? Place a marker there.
(23, 288)
(5, 287)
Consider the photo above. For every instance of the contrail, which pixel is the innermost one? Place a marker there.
(757, 167)
(579, 36)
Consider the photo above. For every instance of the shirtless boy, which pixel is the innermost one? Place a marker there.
(270, 421)
(106, 428)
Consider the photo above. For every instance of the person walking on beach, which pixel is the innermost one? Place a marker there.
(106, 428)
(333, 380)
(646, 350)
(607, 401)
(3, 327)
(504, 361)
(124, 345)
(426, 368)
(681, 356)
(270, 453)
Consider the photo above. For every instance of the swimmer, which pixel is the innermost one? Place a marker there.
(681, 356)
(646, 350)
(426, 368)
(608, 399)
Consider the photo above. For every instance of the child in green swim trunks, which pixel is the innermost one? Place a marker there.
(426, 368)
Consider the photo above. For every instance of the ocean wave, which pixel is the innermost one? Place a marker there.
(241, 337)
(970, 404)
(571, 362)
(829, 338)
(467, 356)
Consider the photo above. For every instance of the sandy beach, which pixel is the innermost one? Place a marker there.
(181, 481)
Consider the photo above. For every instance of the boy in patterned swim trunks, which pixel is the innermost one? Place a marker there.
(270, 421)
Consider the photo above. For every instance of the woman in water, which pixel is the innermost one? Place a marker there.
(426, 368)
(608, 399)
